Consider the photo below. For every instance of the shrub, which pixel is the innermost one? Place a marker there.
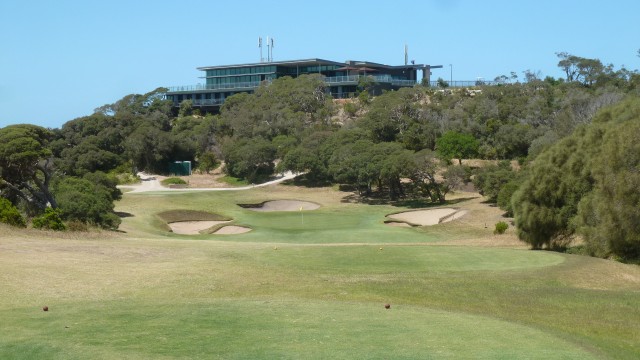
(76, 225)
(207, 162)
(350, 109)
(501, 227)
(173, 181)
(9, 214)
(86, 201)
(49, 220)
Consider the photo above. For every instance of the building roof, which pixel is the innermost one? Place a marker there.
(301, 62)
(316, 61)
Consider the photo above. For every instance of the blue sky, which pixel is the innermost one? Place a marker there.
(59, 60)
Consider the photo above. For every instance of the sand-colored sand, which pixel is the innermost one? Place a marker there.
(286, 205)
(232, 229)
(192, 227)
(429, 216)
(456, 215)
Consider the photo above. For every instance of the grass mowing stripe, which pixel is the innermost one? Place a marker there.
(241, 329)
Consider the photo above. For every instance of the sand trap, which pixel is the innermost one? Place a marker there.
(192, 227)
(231, 230)
(398, 224)
(428, 217)
(285, 205)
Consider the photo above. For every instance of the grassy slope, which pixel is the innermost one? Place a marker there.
(152, 294)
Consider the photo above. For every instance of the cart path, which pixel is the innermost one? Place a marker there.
(151, 184)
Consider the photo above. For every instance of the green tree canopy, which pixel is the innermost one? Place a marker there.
(88, 200)
(587, 183)
(26, 166)
(455, 145)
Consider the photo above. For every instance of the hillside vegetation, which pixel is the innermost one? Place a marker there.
(405, 145)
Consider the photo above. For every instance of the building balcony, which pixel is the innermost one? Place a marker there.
(241, 86)
(246, 86)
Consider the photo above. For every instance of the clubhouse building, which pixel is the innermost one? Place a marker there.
(342, 79)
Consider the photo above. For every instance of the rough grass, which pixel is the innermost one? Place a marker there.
(307, 288)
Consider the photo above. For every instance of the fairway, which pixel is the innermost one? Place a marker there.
(307, 284)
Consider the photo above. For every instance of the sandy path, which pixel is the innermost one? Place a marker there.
(151, 183)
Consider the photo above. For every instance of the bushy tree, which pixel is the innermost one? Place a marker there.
(26, 166)
(9, 214)
(587, 183)
(547, 201)
(609, 217)
(455, 145)
(87, 201)
(50, 220)
(491, 179)
(250, 159)
(207, 162)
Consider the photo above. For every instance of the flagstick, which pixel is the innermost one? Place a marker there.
(301, 216)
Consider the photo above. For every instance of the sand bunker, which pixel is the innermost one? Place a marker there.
(232, 229)
(192, 227)
(283, 205)
(398, 224)
(428, 217)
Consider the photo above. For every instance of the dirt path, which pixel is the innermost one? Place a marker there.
(152, 183)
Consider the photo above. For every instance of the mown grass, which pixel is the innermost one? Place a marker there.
(259, 329)
(311, 287)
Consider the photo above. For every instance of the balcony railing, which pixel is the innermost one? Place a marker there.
(334, 80)
(457, 83)
(354, 79)
(204, 87)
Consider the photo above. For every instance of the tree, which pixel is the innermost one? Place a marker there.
(186, 108)
(584, 70)
(250, 159)
(89, 201)
(442, 83)
(400, 116)
(150, 148)
(609, 217)
(455, 145)
(423, 177)
(491, 179)
(546, 203)
(207, 162)
(587, 184)
(26, 166)
(287, 106)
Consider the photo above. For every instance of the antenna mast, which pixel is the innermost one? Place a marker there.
(271, 57)
(406, 54)
(260, 46)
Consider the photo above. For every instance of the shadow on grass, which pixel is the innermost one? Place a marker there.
(376, 199)
(306, 181)
(122, 214)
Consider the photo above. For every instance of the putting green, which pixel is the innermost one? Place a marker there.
(240, 329)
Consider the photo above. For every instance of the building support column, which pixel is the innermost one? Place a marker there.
(426, 74)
